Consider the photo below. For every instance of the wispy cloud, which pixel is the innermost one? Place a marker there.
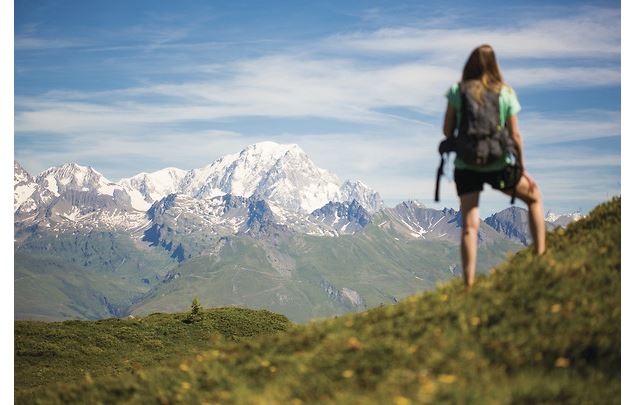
(544, 129)
(277, 86)
(593, 33)
(22, 43)
(563, 77)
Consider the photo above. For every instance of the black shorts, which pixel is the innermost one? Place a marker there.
(469, 181)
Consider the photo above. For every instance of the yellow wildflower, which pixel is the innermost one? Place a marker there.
(562, 362)
(447, 378)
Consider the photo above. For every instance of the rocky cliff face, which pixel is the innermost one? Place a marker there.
(513, 222)
(343, 217)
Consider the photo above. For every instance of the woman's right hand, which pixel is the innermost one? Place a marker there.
(532, 182)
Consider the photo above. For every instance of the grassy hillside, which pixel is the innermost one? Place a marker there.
(46, 353)
(536, 330)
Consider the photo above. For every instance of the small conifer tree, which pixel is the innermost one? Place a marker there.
(196, 306)
(195, 311)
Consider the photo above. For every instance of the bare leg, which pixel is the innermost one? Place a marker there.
(471, 220)
(530, 194)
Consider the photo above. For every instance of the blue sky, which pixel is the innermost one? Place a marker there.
(138, 86)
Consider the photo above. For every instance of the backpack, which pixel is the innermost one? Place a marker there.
(480, 139)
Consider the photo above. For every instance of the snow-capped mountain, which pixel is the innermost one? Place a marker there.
(562, 219)
(237, 174)
(71, 176)
(344, 218)
(281, 174)
(146, 188)
(412, 220)
(206, 222)
(512, 222)
(364, 195)
(72, 197)
(279, 182)
(282, 177)
(24, 185)
(293, 182)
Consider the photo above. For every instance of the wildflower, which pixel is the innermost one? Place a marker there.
(347, 373)
(400, 400)
(447, 378)
(562, 362)
(354, 343)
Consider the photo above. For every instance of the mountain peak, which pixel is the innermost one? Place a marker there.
(411, 204)
(20, 174)
(563, 219)
(71, 176)
(146, 188)
(23, 185)
(270, 150)
(364, 195)
(70, 170)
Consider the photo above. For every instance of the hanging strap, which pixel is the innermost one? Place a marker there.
(439, 174)
(445, 147)
(515, 184)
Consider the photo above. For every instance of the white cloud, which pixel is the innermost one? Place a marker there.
(22, 43)
(275, 86)
(563, 77)
(594, 33)
(542, 129)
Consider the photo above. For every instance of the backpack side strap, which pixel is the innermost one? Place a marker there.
(439, 174)
(445, 147)
(517, 174)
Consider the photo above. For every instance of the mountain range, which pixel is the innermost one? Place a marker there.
(264, 228)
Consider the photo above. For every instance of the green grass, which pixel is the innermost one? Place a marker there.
(46, 353)
(536, 330)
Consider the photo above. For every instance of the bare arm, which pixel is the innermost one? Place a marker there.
(513, 126)
(449, 123)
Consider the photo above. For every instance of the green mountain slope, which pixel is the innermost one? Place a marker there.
(306, 277)
(83, 275)
(537, 330)
(99, 274)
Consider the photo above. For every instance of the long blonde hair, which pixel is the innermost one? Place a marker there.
(481, 72)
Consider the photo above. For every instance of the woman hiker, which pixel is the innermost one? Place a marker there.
(481, 75)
